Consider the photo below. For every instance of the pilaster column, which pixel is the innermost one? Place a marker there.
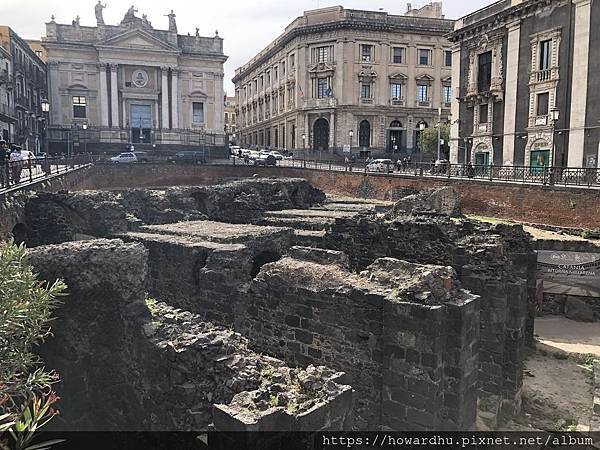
(114, 95)
(307, 132)
(510, 95)
(455, 107)
(218, 122)
(331, 131)
(54, 83)
(103, 95)
(164, 96)
(174, 98)
(579, 85)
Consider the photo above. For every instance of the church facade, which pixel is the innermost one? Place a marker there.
(114, 85)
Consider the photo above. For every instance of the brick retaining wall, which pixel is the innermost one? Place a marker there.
(557, 206)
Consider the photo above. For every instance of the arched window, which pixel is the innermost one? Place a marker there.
(395, 124)
(364, 134)
(395, 137)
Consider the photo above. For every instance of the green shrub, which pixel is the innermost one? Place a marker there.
(26, 308)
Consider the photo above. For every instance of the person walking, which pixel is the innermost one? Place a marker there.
(16, 160)
(346, 163)
(4, 156)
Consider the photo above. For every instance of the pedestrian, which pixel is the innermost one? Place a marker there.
(240, 153)
(246, 159)
(399, 165)
(346, 163)
(16, 162)
(4, 156)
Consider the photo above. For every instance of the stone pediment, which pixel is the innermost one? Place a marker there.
(399, 76)
(137, 39)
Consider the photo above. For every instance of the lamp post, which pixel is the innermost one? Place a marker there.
(439, 127)
(351, 135)
(303, 141)
(45, 110)
(555, 117)
(422, 129)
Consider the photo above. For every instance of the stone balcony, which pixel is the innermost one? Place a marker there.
(316, 103)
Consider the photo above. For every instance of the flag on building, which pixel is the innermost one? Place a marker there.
(300, 92)
(329, 93)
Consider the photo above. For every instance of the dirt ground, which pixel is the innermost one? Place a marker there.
(557, 389)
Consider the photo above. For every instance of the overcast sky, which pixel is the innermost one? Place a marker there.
(246, 25)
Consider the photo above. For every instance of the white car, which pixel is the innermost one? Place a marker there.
(234, 149)
(278, 156)
(125, 158)
(380, 165)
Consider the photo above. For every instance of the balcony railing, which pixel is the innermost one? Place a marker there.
(320, 103)
(544, 75)
(538, 121)
(366, 101)
(397, 102)
(7, 110)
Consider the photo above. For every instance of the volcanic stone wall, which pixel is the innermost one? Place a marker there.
(52, 218)
(130, 363)
(204, 267)
(405, 334)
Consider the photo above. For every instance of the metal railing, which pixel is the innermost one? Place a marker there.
(556, 176)
(19, 173)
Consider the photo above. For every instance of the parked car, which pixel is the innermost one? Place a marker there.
(189, 157)
(265, 160)
(142, 156)
(124, 158)
(234, 150)
(380, 165)
(278, 156)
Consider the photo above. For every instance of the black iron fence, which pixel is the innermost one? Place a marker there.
(15, 173)
(571, 176)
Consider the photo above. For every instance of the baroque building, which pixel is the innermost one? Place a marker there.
(230, 115)
(524, 93)
(22, 87)
(111, 85)
(339, 77)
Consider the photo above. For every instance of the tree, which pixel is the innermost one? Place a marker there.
(26, 308)
(430, 142)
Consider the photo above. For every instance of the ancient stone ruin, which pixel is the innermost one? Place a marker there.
(261, 304)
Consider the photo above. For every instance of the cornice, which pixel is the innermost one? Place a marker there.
(346, 24)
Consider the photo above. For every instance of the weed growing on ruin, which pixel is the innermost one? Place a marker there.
(273, 401)
(26, 396)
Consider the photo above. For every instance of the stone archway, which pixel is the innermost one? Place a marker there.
(364, 134)
(395, 137)
(321, 135)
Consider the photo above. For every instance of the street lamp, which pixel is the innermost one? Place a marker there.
(555, 117)
(351, 135)
(422, 128)
(304, 141)
(45, 110)
(439, 132)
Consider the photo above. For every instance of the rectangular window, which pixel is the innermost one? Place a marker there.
(447, 94)
(366, 53)
(448, 58)
(398, 55)
(423, 93)
(483, 113)
(198, 112)
(396, 91)
(283, 69)
(543, 102)
(226, 118)
(365, 90)
(321, 54)
(292, 61)
(484, 75)
(268, 78)
(545, 54)
(424, 57)
(275, 74)
(79, 105)
(322, 88)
